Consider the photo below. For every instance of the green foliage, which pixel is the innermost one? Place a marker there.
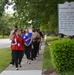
(62, 55)
(2, 4)
(43, 13)
(6, 24)
(53, 22)
(5, 37)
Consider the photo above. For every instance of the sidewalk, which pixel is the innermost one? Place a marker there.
(35, 68)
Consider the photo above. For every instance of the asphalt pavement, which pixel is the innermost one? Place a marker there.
(4, 43)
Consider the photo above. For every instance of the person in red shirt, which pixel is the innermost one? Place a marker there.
(18, 48)
(11, 37)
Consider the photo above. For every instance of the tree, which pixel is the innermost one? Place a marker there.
(2, 4)
(6, 24)
(41, 12)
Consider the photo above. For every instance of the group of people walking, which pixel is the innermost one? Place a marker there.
(25, 43)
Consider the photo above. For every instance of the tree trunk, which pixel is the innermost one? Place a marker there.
(3, 33)
(61, 36)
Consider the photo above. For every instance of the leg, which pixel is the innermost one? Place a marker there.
(26, 51)
(29, 52)
(32, 54)
(16, 58)
(38, 44)
(12, 55)
(20, 57)
(35, 49)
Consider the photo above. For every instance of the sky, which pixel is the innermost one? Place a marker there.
(10, 8)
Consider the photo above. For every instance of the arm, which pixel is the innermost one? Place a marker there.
(30, 41)
(11, 35)
(14, 41)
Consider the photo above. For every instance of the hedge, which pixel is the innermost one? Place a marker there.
(62, 55)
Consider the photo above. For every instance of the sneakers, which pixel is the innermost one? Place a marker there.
(17, 69)
(35, 58)
(29, 62)
(26, 61)
(20, 66)
(12, 63)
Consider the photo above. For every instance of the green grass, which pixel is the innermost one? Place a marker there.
(46, 58)
(5, 37)
(50, 38)
(5, 57)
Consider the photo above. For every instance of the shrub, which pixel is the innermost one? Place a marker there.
(62, 55)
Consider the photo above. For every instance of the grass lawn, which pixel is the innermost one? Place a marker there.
(5, 58)
(5, 37)
(47, 59)
(50, 38)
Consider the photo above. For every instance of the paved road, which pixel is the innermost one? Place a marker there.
(4, 43)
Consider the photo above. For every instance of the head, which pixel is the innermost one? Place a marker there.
(16, 32)
(37, 29)
(26, 30)
(20, 32)
(33, 29)
(15, 27)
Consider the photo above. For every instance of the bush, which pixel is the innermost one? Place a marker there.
(62, 55)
